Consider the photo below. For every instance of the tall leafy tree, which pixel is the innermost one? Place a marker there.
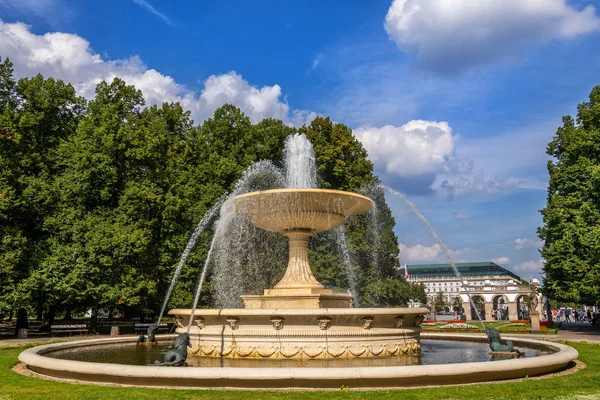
(571, 230)
(120, 228)
(38, 115)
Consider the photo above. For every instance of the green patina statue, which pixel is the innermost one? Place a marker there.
(177, 356)
(495, 342)
(151, 339)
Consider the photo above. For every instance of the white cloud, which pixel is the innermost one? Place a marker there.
(69, 57)
(501, 260)
(415, 148)
(527, 242)
(530, 266)
(449, 36)
(420, 156)
(147, 6)
(422, 253)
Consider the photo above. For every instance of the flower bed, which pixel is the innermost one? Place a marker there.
(458, 325)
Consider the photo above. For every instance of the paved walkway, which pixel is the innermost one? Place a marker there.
(578, 331)
(7, 343)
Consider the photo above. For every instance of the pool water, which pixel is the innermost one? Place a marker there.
(432, 352)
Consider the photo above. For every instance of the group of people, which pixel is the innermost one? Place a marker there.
(572, 315)
(501, 314)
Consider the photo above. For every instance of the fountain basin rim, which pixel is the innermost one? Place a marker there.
(301, 190)
(236, 377)
(356, 203)
(317, 312)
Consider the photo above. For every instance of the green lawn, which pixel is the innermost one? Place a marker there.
(583, 385)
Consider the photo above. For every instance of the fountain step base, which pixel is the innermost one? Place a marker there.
(297, 298)
(318, 333)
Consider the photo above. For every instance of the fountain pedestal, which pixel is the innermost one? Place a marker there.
(298, 288)
(297, 298)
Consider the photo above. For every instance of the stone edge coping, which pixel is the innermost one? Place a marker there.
(236, 312)
(34, 358)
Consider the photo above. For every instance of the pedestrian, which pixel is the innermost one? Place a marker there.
(589, 315)
(498, 314)
(568, 315)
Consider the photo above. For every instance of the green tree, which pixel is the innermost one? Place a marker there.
(457, 304)
(439, 302)
(38, 114)
(120, 226)
(571, 230)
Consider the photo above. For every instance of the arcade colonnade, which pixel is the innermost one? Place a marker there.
(513, 305)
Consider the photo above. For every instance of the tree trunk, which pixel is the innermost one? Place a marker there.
(40, 312)
(51, 314)
(10, 315)
(68, 314)
(548, 311)
(22, 321)
(94, 316)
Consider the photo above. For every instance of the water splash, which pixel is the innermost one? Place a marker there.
(246, 258)
(342, 242)
(229, 248)
(200, 283)
(259, 175)
(202, 225)
(300, 166)
(435, 235)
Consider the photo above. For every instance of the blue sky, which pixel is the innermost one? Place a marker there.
(454, 100)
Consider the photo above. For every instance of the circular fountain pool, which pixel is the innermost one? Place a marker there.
(444, 359)
(432, 352)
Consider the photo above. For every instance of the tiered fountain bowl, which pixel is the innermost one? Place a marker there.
(299, 318)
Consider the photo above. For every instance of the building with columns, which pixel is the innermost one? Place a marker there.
(490, 287)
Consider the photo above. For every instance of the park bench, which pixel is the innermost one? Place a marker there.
(78, 328)
(143, 328)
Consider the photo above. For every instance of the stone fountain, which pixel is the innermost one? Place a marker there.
(299, 318)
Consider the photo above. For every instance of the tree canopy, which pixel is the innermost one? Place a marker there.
(571, 230)
(98, 198)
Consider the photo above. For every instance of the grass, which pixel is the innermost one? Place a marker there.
(582, 385)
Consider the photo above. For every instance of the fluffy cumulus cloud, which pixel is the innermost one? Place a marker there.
(533, 267)
(522, 243)
(501, 260)
(70, 57)
(434, 253)
(414, 153)
(420, 156)
(449, 36)
(415, 148)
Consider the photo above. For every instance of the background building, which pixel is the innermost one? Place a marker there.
(491, 287)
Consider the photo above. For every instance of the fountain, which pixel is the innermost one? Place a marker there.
(298, 317)
(297, 333)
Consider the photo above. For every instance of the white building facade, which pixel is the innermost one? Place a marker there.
(496, 292)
